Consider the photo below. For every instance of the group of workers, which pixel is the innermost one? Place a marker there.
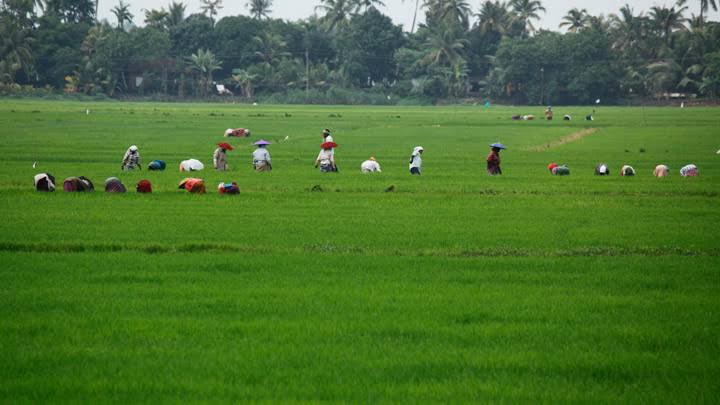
(325, 161)
(602, 169)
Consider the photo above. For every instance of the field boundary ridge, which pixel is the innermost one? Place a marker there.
(575, 136)
(191, 248)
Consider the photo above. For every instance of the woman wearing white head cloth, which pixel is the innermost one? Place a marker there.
(416, 160)
(131, 160)
(661, 171)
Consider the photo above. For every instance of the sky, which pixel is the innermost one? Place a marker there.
(401, 12)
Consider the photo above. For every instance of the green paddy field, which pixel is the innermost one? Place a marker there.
(454, 287)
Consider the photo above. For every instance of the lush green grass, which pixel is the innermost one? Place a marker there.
(455, 287)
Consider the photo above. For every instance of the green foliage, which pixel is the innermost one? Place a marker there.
(367, 47)
(456, 54)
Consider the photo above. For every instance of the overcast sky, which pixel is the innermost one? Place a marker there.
(401, 12)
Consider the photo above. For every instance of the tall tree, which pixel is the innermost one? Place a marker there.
(705, 7)
(260, 9)
(666, 20)
(526, 11)
(156, 18)
(75, 11)
(364, 5)
(337, 12)
(204, 64)
(456, 13)
(176, 14)
(270, 48)
(575, 20)
(15, 50)
(211, 8)
(444, 47)
(494, 16)
(122, 14)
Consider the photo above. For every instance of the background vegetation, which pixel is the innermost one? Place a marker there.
(350, 53)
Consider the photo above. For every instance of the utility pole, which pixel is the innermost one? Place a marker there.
(307, 73)
(542, 86)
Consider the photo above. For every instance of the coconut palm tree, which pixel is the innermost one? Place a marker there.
(666, 20)
(204, 64)
(123, 14)
(628, 28)
(336, 12)
(260, 9)
(244, 80)
(494, 16)
(211, 8)
(444, 47)
(526, 11)
(156, 18)
(705, 6)
(176, 14)
(456, 12)
(575, 20)
(363, 5)
(271, 48)
(15, 50)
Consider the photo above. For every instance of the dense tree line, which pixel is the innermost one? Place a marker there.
(349, 48)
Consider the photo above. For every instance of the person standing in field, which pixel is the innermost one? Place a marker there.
(261, 157)
(327, 135)
(549, 113)
(326, 158)
(131, 160)
(416, 160)
(493, 159)
(220, 156)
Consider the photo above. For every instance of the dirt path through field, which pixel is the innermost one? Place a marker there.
(562, 141)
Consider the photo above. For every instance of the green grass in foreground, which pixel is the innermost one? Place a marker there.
(456, 287)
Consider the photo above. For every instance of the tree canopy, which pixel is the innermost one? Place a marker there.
(494, 51)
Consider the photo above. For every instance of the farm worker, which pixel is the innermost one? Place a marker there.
(327, 135)
(370, 166)
(493, 159)
(131, 160)
(220, 156)
(661, 171)
(689, 171)
(559, 170)
(261, 157)
(326, 158)
(549, 113)
(144, 186)
(228, 188)
(44, 182)
(416, 160)
(602, 169)
(195, 186)
(627, 171)
(238, 132)
(191, 165)
(567, 117)
(114, 185)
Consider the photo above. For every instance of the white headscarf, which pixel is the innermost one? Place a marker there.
(417, 150)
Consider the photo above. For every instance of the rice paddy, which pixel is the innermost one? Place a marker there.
(452, 286)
